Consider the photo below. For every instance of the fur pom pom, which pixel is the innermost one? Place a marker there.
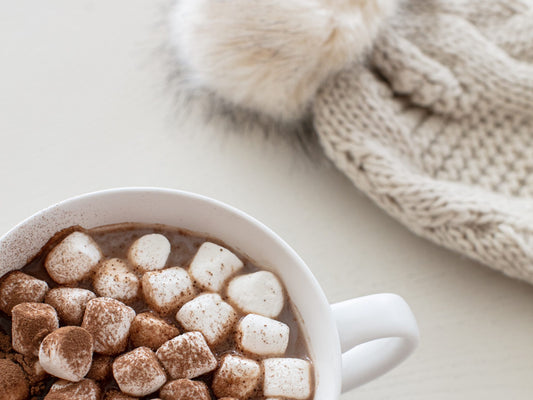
(271, 56)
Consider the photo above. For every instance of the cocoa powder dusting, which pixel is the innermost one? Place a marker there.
(13, 380)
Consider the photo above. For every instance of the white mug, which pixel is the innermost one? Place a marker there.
(350, 343)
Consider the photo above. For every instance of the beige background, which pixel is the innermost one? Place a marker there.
(84, 106)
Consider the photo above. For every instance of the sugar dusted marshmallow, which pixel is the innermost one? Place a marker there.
(138, 372)
(237, 377)
(151, 331)
(69, 303)
(209, 314)
(108, 321)
(213, 265)
(67, 353)
(257, 293)
(185, 389)
(73, 259)
(18, 287)
(166, 290)
(287, 378)
(187, 356)
(262, 336)
(149, 252)
(113, 278)
(31, 322)
(85, 389)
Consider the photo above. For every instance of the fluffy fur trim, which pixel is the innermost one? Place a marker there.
(272, 56)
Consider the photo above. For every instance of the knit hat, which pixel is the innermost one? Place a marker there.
(437, 126)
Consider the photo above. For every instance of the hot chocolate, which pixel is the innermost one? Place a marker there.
(164, 298)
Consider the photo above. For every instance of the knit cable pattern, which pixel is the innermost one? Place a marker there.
(437, 126)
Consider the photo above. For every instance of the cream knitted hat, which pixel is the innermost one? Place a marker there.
(437, 126)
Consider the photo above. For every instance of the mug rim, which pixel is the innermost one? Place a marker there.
(327, 379)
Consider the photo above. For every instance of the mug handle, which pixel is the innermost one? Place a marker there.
(376, 333)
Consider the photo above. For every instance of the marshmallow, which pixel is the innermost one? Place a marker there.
(69, 303)
(73, 259)
(262, 336)
(114, 279)
(100, 368)
(31, 322)
(18, 287)
(109, 321)
(210, 315)
(67, 353)
(151, 331)
(13, 381)
(187, 356)
(166, 290)
(287, 378)
(86, 389)
(149, 252)
(213, 265)
(185, 389)
(258, 293)
(138, 372)
(116, 395)
(237, 377)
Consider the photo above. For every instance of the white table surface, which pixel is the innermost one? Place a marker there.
(84, 106)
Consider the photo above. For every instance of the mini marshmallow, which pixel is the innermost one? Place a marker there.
(114, 279)
(69, 303)
(85, 389)
(213, 265)
(258, 293)
(187, 356)
(109, 321)
(237, 377)
(13, 381)
(149, 252)
(166, 290)
(67, 353)
(209, 314)
(31, 322)
(262, 336)
(138, 372)
(287, 378)
(100, 368)
(18, 287)
(185, 389)
(151, 331)
(73, 259)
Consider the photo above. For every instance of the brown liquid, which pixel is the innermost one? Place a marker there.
(115, 240)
